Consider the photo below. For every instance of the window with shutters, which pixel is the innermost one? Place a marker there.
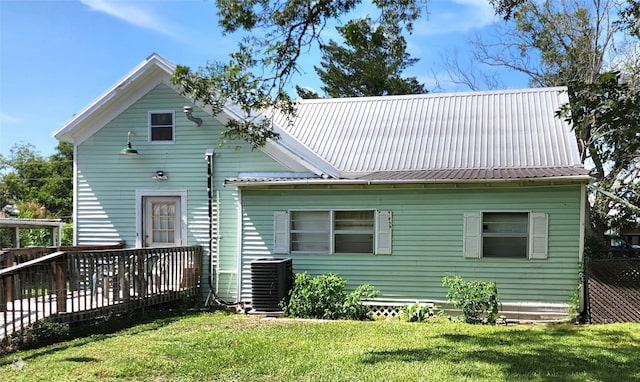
(161, 127)
(333, 232)
(505, 235)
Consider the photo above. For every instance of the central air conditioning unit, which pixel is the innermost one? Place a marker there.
(271, 281)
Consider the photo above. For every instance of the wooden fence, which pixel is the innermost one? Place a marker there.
(73, 286)
(613, 290)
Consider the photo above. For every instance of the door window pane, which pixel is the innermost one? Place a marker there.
(163, 222)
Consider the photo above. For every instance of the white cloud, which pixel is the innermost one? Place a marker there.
(457, 16)
(9, 119)
(132, 14)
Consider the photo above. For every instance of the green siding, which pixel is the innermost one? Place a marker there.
(107, 181)
(427, 239)
(427, 223)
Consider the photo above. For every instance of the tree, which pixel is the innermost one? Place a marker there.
(571, 42)
(371, 64)
(256, 76)
(41, 187)
(305, 93)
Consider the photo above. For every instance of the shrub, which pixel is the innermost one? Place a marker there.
(416, 312)
(477, 299)
(42, 332)
(324, 297)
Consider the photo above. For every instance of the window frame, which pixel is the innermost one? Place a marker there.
(150, 113)
(380, 232)
(486, 234)
(537, 235)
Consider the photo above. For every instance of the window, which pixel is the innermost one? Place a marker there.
(163, 218)
(310, 232)
(161, 126)
(505, 235)
(333, 232)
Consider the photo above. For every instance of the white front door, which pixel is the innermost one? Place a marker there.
(161, 224)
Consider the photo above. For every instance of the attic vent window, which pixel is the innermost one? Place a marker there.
(161, 126)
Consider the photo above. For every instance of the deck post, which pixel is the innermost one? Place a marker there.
(60, 288)
(8, 281)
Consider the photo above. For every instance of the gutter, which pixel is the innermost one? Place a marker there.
(320, 181)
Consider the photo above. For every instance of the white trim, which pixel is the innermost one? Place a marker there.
(72, 131)
(331, 181)
(74, 192)
(239, 235)
(173, 127)
(332, 232)
(140, 194)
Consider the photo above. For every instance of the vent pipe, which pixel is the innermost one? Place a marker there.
(188, 110)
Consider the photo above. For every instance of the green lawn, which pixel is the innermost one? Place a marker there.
(219, 347)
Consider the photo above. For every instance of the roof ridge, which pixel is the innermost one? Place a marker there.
(436, 95)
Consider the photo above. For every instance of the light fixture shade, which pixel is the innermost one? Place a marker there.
(128, 150)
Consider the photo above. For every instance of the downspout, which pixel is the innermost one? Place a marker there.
(213, 247)
(209, 157)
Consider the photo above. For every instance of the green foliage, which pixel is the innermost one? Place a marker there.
(42, 183)
(324, 296)
(594, 248)
(222, 347)
(416, 312)
(258, 73)
(583, 45)
(605, 115)
(630, 18)
(477, 299)
(574, 302)
(39, 333)
(370, 64)
(306, 93)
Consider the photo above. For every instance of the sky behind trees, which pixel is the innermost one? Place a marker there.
(59, 56)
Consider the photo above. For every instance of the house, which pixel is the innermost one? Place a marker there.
(394, 191)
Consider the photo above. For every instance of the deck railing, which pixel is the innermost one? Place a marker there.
(72, 286)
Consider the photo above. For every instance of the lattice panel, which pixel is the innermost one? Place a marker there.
(384, 310)
(614, 290)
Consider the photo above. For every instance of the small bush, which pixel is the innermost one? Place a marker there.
(39, 333)
(477, 299)
(324, 297)
(416, 312)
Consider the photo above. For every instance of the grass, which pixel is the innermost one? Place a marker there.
(220, 347)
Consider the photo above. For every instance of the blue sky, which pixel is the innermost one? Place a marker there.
(56, 57)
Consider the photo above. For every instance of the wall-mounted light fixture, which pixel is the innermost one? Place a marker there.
(128, 150)
(188, 110)
(160, 175)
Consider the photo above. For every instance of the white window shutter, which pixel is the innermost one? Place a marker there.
(281, 232)
(383, 233)
(472, 235)
(538, 235)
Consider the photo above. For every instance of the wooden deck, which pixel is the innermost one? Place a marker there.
(74, 286)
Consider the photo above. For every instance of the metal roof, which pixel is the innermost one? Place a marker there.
(508, 129)
(428, 176)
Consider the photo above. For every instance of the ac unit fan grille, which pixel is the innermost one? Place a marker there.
(271, 281)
